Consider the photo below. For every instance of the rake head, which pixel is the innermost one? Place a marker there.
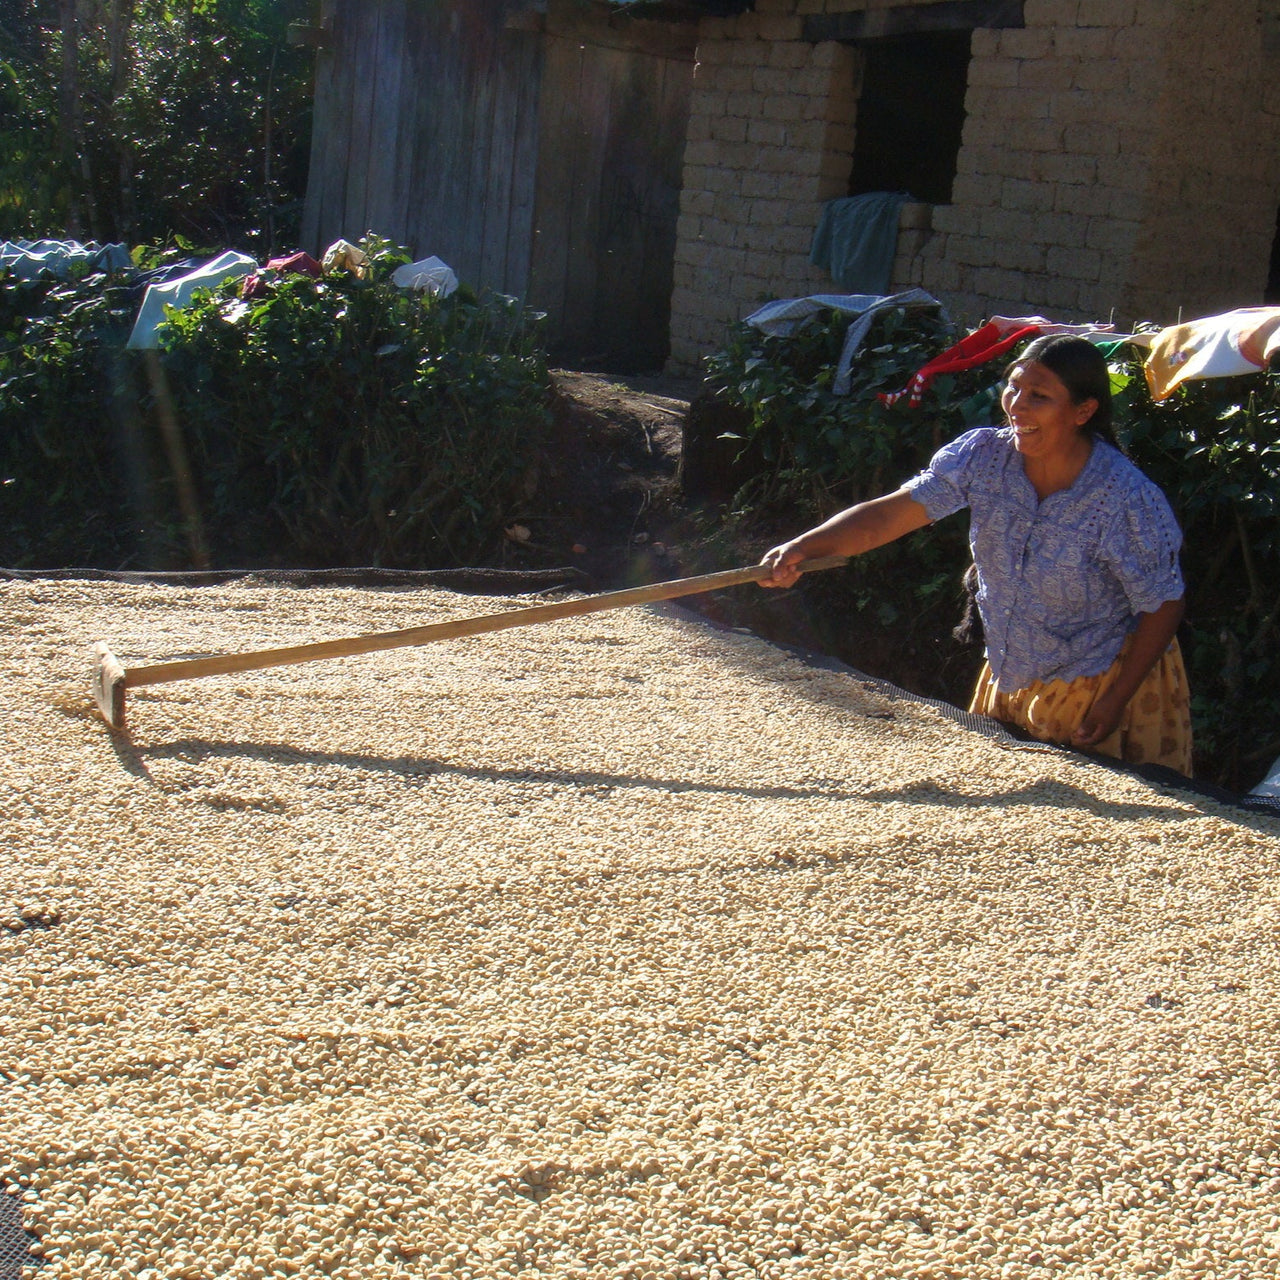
(109, 686)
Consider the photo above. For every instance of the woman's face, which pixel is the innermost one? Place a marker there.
(1046, 421)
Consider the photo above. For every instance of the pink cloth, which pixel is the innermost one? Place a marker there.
(298, 264)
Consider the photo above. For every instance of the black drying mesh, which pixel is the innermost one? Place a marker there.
(15, 1243)
(495, 582)
(520, 581)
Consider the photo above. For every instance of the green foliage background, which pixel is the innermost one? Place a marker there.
(197, 127)
(340, 421)
(1213, 447)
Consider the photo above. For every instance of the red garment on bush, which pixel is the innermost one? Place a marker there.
(983, 344)
(298, 264)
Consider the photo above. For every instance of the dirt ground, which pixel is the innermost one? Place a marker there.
(613, 505)
(621, 511)
(610, 499)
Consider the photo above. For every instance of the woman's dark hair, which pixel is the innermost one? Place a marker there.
(1081, 368)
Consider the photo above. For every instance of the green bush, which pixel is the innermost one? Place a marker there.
(830, 447)
(369, 424)
(335, 421)
(1213, 447)
(71, 477)
(109, 131)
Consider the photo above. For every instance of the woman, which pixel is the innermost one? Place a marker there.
(1076, 551)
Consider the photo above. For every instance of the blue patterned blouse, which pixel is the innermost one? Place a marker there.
(1061, 582)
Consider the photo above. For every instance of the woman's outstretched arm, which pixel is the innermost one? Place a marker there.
(860, 528)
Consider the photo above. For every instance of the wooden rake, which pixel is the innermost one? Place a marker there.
(111, 680)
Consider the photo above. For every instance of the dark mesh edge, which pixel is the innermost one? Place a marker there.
(1157, 775)
(471, 581)
(15, 1243)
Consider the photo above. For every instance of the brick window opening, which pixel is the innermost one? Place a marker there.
(1272, 292)
(911, 114)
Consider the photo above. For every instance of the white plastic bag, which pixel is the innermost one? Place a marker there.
(430, 274)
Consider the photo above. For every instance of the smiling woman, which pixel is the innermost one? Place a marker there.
(1076, 555)
(1047, 421)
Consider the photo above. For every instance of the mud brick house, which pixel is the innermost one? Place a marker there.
(650, 171)
(1074, 157)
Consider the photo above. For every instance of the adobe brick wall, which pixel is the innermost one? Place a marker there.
(770, 139)
(1120, 158)
(1213, 183)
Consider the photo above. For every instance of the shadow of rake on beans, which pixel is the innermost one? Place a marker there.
(1052, 794)
(418, 772)
(415, 772)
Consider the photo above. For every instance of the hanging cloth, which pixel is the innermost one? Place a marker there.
(856, 239)
(984, 344)
(177, 293)
(783, 317)
(1222, 346)
(996, 338)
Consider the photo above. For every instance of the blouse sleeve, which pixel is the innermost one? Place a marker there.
(1141, 549)
(942, 488)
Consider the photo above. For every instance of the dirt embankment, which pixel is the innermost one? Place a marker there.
(626, 499)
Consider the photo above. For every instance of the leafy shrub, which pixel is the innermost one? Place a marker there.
(108, 128)
(822, 444)
(68, 466)
(369, 424)
(1213, 447)
(332, 421)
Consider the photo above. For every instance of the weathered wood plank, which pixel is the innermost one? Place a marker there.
(557, 141)
(527, 55)
(501, 169)
(420, 122)
(476, 207)
(545, 166)
(673, 99)
(602, 71)
(433, 177)
(610, 153)
(385, 186)
(361, 61)
(640, 203)
(330, 135)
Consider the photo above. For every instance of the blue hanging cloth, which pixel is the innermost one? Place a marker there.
(856, 239)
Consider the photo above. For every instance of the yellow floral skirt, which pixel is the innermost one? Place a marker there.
(1155, 727)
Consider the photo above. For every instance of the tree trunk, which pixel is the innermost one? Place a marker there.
(122, 13)
(75, 154)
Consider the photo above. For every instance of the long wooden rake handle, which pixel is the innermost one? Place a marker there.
(111, 680)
